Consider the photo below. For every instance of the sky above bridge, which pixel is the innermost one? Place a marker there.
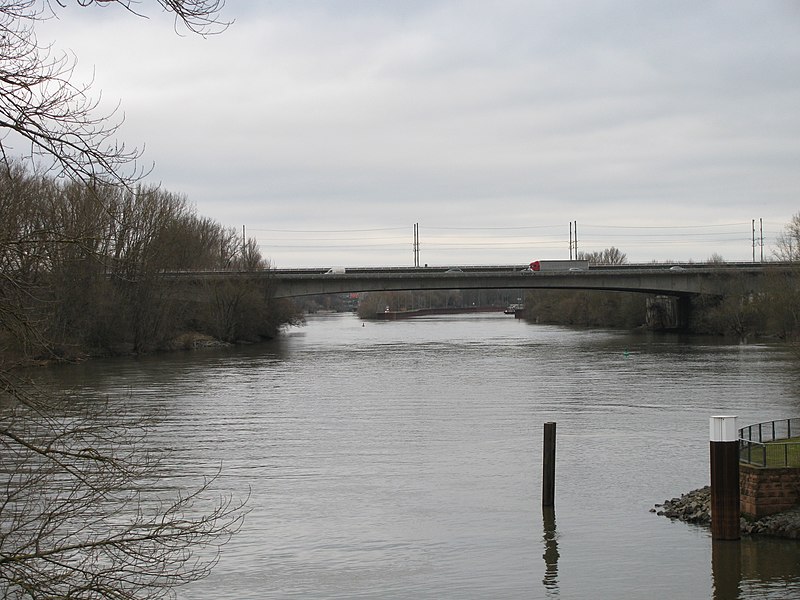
(329, 128)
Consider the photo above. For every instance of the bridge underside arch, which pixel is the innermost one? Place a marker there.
(666, 309)
(337, 284)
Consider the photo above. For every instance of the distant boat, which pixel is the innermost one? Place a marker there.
(512, 309)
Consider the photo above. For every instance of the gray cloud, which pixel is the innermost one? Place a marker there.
(358, 116)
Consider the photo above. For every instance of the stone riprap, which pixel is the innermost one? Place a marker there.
(695, 507)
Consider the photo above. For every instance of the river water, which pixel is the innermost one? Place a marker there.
(403, 459)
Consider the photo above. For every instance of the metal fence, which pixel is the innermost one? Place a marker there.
(770, 444)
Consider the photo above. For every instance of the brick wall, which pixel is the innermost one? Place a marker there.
(766, 491)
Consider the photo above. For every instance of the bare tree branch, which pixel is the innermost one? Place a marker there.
(86, 507)
(56, 122)
(86, 512)
(198, 16)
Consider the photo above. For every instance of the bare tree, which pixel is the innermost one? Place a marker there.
(609, 256)
(788, 241)
(54, 121)
(251, 259)
(86, 510)
(199, 16)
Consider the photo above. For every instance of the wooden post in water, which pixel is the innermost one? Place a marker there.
(549, 463)
(725, 509)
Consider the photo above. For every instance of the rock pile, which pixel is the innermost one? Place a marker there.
(784, 524)
(695, 507)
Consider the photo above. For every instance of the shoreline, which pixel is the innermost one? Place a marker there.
(695, 507)
(393, 315)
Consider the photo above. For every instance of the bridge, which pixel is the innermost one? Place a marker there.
(673, 285)
(686, 280)
(671, 280)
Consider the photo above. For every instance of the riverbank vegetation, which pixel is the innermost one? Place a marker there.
(586, 308)
(89, 267)
(771, 311)
(91, 507)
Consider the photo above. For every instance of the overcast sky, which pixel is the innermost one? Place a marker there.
(329, 128)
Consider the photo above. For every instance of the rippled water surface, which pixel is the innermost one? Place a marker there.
(403, 459)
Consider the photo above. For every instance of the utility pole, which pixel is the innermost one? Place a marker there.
(575, 227)
(570, 240)
(415, 244)
(760, 241)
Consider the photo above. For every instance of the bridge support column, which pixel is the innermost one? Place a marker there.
(684, 312)
(668, 313)
(661, 313)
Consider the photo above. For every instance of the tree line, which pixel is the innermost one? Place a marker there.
(772, 311)
(86, 265)
(87, 509)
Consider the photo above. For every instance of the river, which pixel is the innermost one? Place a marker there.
(403, 459)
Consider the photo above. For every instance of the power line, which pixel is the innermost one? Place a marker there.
(331, 230)
(720, 237)
(744, 223)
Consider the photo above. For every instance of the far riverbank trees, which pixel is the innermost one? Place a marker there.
(772, 311)
(586, 308)
(373, 304)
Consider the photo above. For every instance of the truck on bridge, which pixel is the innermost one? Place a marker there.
(557, 265)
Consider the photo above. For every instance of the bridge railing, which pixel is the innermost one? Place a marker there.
(771, 444)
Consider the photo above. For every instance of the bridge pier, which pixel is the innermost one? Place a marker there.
(684, 312)
(668, 313)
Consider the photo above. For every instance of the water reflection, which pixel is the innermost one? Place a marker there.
(726, 568)
(754, 567)
(550, 555)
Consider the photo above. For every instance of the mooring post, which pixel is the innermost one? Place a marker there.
(549, 464)
(725, 510)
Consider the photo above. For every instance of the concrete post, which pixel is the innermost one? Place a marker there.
(725, 509)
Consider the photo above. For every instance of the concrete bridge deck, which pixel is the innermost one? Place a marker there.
(685, 280)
